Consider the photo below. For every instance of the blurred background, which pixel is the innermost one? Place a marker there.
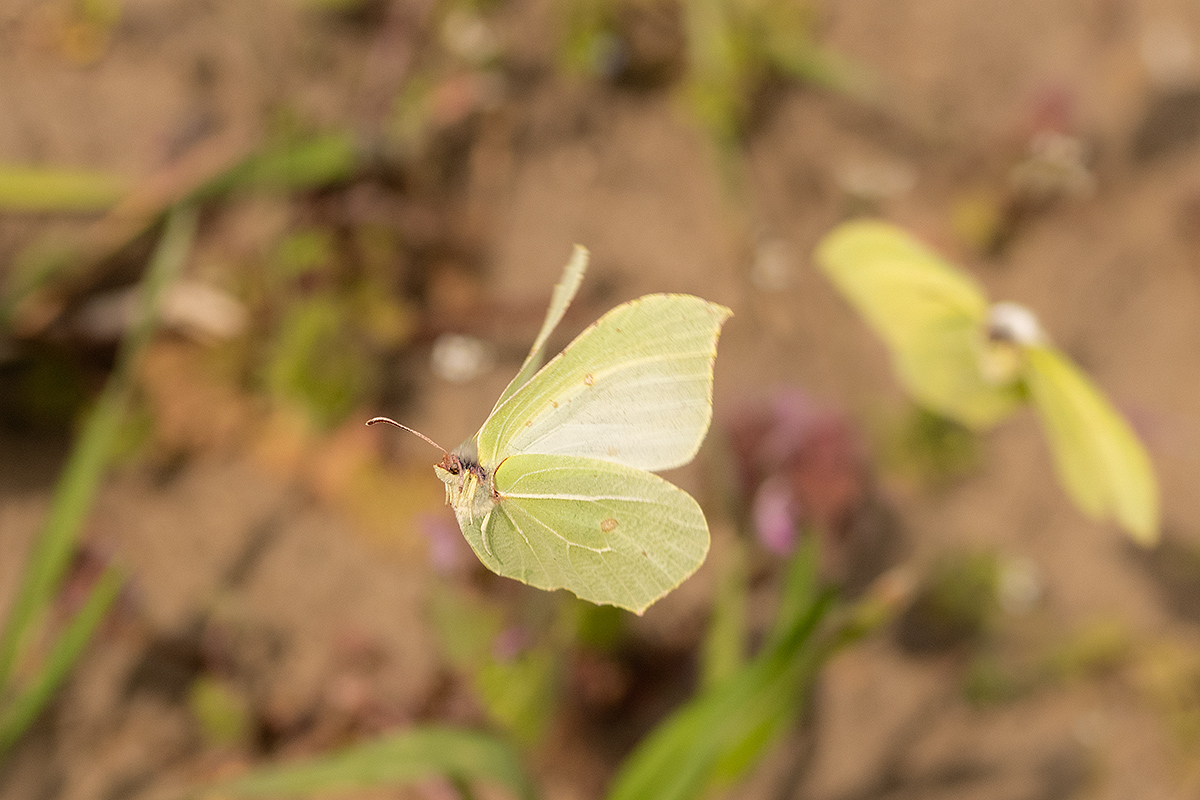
(384, 193)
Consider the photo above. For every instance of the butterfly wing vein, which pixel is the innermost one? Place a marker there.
(635, 388)
(609, 533)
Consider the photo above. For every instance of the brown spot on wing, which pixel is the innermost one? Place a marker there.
(588, 380)
(608, 525)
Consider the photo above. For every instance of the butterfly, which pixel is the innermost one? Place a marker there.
(557, 488)
(976, 364)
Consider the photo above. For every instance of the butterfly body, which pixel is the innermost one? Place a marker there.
(470, 488)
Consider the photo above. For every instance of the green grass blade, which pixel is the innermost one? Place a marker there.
(725, 643)
(295, 164)
(290, 165)
(25, 707)
(76, 489)
(800, 589)
(718, 735)
(36, 190)
(460, 755)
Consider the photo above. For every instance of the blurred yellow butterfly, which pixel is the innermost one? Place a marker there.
(975, 364)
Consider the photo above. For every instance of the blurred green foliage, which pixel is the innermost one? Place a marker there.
(300, 253)
(725, 643)
(30, 189)
(956, 603)
(515, 674)
(1097, 647)
(991, 681)
(394, 760)
(221, 711)
(930, 448)
(1013, 667)
(598, 627)
(718, 736)
(1167, 674)
(731, 51)
(27, 685)
(292, 161)
(23, 697)
(317, 362)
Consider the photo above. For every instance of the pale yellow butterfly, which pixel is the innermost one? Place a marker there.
(556, 489)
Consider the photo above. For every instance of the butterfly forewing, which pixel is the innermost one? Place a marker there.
(929, 314)
(608, 533)
(898, 284)
(560, 299)
(635, 388)
(1099, 459)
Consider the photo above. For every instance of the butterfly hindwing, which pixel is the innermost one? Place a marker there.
(1099, 459)
(635, 388)
(609, 533)
(942, 370)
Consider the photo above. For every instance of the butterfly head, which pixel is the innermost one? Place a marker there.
(449, 468)
(1010, 329)
(468, 485)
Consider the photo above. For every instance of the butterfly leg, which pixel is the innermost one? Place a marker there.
(483, 533)
(468, 492)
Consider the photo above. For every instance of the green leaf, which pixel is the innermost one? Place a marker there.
(801, 588)
(293, 163)
(404, 758)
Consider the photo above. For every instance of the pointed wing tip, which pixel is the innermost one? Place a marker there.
(1144, 532)
(637, 610)
(719, 312)
(1147, 539)
(578, 262)
(640, 610)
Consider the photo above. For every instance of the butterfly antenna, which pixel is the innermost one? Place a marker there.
(390, 421)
